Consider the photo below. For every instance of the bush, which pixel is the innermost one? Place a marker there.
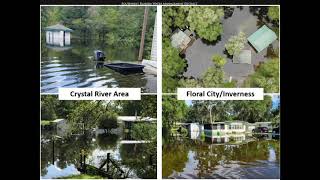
(184, 131)
(273, 13)
(219, 61)
(144, 131)
(108, 121)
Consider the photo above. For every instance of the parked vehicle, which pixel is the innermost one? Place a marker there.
(260, 130)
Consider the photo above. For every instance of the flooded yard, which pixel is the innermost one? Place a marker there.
(252, 158)
(74, 67)
(61, 157)
(199, 54)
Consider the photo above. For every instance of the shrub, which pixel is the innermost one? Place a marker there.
(108, 121)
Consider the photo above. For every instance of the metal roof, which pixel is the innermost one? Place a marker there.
(262, 38)
(58, 27)
(243, 58)
(179, 39)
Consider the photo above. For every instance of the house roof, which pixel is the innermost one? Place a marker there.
(243, 58)
(262, 38)
(135, 118)
(58, 27)
(179, 39)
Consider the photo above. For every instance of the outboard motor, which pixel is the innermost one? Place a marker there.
(99, 55)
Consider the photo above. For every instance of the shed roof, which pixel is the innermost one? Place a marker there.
(58, 27)
(262, 38)
(243, 58)
(180, 39)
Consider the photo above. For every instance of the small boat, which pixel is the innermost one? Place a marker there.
(125, 67)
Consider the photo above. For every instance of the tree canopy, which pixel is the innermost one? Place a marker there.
(266, 76)
(199, 111)
(205, 21)
(236, 43)
(172, 111)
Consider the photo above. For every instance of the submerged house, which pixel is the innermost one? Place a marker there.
(232, 138)
(58, 35)
(194, 130)
(244, 57)
(182, 39)
(262, 38)
(222, 128)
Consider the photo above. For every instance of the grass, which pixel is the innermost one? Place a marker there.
(81, 176)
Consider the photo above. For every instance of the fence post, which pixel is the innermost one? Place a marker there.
(52, 150)
(108, 160)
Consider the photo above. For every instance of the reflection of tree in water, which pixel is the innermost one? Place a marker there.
(174, 157)
(107, 141)
(209, 156)
(137, 157)
(175, 154)
(66, 151)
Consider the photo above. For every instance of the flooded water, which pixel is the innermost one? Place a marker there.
(199, 55)
(252, 158)
(74, 67)
(61, 157)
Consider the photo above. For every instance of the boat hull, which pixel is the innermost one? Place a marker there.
(125, 67)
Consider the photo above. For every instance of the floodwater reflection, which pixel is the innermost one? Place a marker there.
(60, 157)
(251, 157)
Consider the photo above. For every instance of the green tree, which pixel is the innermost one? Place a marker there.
(273, 13)
(173, 17)
(48, 107)
(236, 43)
(108, 121)
(189, 83)
(144, 131)
(85, 114)
(172, 111)
(253, 111)
(206, 21)
(173, 66)
(213, 77)
(266, 76)
(219, 60)
(148, 106)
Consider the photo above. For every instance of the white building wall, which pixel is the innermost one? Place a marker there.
(67, 37)
(48, 37)
(61, 38)
(57, 38)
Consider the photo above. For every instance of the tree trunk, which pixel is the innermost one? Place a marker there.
(143, 33)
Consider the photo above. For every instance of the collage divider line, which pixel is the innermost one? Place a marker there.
(159, 92)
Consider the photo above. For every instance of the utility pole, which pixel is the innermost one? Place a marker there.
(143, 33)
